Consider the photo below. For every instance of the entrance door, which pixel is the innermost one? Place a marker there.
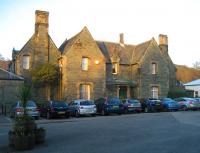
(122, 92)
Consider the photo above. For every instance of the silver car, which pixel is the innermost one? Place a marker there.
(82, 107)
(187, 103)
(31, 109)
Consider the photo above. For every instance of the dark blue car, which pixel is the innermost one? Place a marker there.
(169, 104)
(152, 105)
(108, 105)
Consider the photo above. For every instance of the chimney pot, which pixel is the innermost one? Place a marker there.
(121, 39)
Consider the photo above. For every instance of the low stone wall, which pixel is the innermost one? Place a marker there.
(9, 90)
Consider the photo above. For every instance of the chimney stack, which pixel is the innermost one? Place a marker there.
(41, 22)
(163, 43)
(121, 39)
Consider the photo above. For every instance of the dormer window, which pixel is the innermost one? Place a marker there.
(85, 63)
(153, 68)
(26, 61)
(114, 68)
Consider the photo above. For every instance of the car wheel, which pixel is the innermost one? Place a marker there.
(77, 114)
(48, 115)
(103, 112)
(93, 115)
(146, 110)
(184, 108)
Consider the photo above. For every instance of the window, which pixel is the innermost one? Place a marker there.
(26, 60)
(154, 92)
(153, 68)
(85, 91)
(114, 68)
(85, 63)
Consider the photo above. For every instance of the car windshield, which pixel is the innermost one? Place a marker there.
(59, 104)
(88, 102)
(133, 101)
(30, 104)
(114, 101)
(167, 99)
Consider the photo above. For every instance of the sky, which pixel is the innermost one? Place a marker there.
(139, 20)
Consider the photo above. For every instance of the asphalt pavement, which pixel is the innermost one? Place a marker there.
(168, 132)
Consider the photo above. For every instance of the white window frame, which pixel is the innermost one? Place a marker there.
(85, 91)
(114, 68)
(85, 63)
(26, 62)
(153, 68)
(154, 92)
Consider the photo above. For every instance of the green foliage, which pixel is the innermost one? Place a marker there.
(177, 92)
(45, 74)
(24, 95)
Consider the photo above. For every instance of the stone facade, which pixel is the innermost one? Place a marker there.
(97, 68)
(9, 87)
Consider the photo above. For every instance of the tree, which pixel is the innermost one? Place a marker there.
(46, 75)
(1, 57)
(196, 65)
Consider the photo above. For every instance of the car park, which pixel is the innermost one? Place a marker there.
(108, 105)
(55, 108)
(82, 107)
(187, 103)
(152, 105)
(131, 105)
(31, 109)
(170, 104)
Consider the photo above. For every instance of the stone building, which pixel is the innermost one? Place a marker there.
(91, 69)
(9, 87)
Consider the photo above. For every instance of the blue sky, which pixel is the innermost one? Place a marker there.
(139, 20)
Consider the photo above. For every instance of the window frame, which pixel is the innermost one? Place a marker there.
(115, 67)
(155, 92)
(26, 62)
(154, 68)
(85, 63)
(85, 91)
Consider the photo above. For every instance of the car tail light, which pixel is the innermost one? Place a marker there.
(37, 109)
(18, 110)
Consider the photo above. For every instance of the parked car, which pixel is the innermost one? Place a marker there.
(31, 109)
(170, 104)
(131, 105)
(187, 103)
(152, 105)
(108, 105)
(55, 108)
(82, 107)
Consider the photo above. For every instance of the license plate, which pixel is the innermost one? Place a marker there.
(61, 112)
(115, 107)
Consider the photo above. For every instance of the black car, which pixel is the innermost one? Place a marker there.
(55, 108)
(152, 105)
(108, 105)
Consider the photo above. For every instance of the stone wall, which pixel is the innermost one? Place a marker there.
(9, 90)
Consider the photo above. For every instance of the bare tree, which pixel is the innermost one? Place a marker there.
(1, 57)
(196, 65)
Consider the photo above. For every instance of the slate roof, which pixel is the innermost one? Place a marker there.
(127, 54)
(5, 75)
(193, 83)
